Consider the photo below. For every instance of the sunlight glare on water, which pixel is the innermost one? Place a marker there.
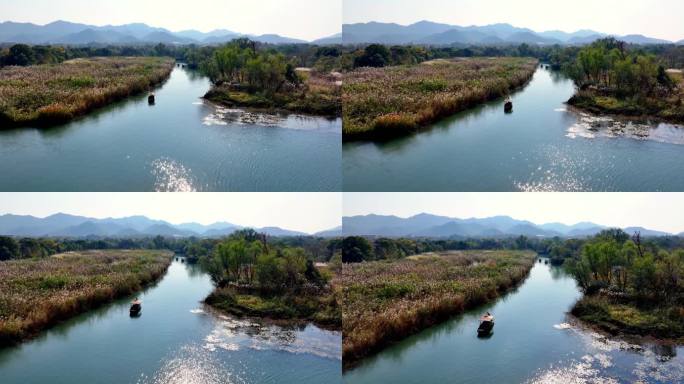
(233, 334)
(171, 176)
(192, 365)
(596, 366)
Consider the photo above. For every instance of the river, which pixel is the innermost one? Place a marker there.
(175, 340)
(542, 146)
(534, 341)
(179, 144)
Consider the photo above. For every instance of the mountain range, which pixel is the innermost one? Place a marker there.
(430, 33)
(67, 33)
(434, 226)
(65, 225)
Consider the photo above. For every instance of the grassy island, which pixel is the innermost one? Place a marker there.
(613, 79)
(51, 94)
(255, 278)
(38, 293)
(386, 301)
(245, 75)
(392, 101)
(630, 287)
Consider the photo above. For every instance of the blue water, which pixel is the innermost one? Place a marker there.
(541, 146)
(534, 341)
(179, 144)
(176, 340)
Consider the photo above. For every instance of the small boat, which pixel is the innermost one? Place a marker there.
(150, 99)
(486, 325)
(136, 307)
(508, 106)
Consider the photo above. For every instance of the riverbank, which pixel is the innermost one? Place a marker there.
(614, 317)
(394, 101)
(45, 95)
(318, 95)
(318, 307)
(386, 301)
(668, 108)
(36, 294)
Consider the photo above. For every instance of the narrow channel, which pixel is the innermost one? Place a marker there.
(175, 340)
(534, 341)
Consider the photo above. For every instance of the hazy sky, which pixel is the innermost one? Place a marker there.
(306, 212)
(660, 211)
(303, 19)
(656, 18)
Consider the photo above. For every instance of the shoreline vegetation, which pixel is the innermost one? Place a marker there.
(392, 101)
(243, 74)
(51, 94)
(386, 301)
(36, 294)
(630, 287)
(261, 279)
(614, 79)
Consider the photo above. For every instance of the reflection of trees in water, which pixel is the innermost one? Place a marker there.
(558, 273)
(273, 334)
(664, 351)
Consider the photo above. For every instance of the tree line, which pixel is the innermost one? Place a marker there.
(323, 58)
(247, 259)
(615, 261)
(194, 248)
(610, 66)
(356, 249)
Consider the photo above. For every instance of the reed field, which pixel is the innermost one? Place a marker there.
(37, 293)
(56, 93)
(391, 101)
(386, 301)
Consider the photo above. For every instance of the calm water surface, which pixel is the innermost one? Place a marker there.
(175, 340)
(534, 341)
(541, 146)
(179, 144)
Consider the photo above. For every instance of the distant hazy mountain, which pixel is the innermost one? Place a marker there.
(426, 225)
(90, 36)
(567, 37)
(63, 225)
(64, 32)
(641, 39)
(429, 33)
(332, 232)
(330, 40)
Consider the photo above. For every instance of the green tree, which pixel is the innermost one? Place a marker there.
(9, 248)
(356, 249)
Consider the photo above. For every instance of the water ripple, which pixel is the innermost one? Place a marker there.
(590, 126)
(234, 334)
(609, 358)
(171, 176)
